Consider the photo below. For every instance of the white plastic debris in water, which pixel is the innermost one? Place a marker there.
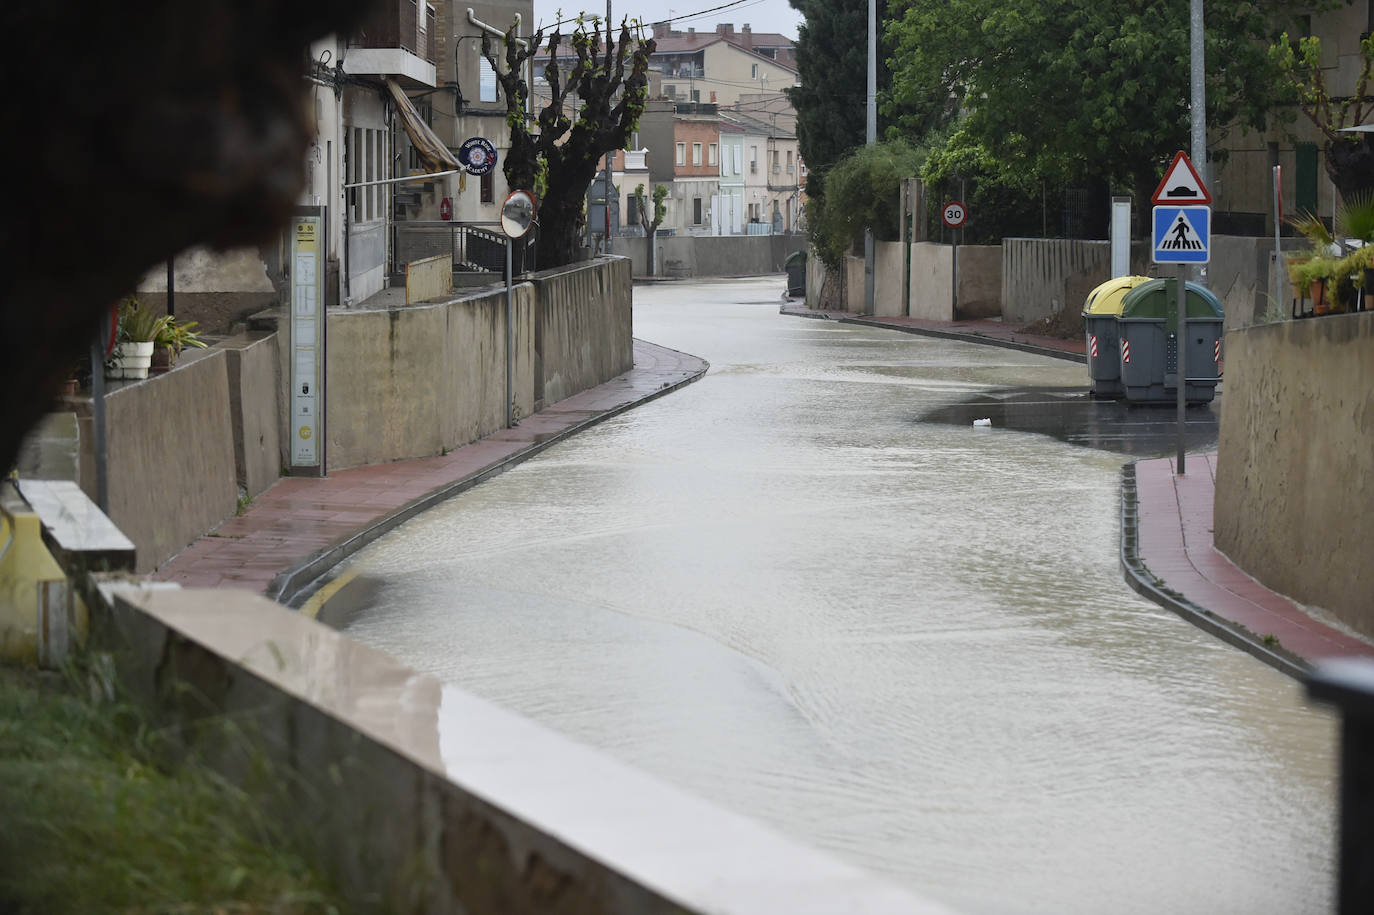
(982, 422)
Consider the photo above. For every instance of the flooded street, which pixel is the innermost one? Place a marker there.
(797, 589)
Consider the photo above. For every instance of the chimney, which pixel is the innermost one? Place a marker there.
(661, 30)
(747, 35)
(725, 28)
(691, 32)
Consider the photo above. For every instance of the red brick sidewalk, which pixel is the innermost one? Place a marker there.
(1174, 562)
(300, 527)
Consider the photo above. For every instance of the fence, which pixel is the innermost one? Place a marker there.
(472, 247)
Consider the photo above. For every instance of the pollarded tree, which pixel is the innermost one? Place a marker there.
(558, 156)
(1349, 157)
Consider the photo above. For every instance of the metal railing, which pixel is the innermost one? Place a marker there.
(472, 247)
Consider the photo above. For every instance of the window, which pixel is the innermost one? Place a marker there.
(696, 95)
(753, 159)
(712, 156)
(632, 211)
(486, 81)
(753, 71)
(696, 153)
(776, 167)
(739, 171)
(681, 155)
(789, 163)
(489, 187)
(696, 211)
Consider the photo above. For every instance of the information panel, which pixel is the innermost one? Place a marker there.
(308, 252)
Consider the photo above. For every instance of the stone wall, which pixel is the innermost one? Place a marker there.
(1295, 474)
(255, 409)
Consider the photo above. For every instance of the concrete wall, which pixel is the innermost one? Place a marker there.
(254, 405)
(712, 255)
(1042, 276)
(932, 282)
(429, 278)
(418, 797)
(216, 289)
(980, 281)
(170, 446)
(583, 327)
(410, 382)
(888, 280)
(1295, 474)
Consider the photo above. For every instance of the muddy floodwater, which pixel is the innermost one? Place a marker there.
(797, 589)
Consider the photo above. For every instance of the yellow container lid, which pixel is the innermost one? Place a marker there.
(1106, 299)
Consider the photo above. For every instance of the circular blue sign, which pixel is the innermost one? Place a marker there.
(478, 155)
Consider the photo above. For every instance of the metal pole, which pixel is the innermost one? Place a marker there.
(1198, 75)
(171, 284)
(510, 338)
(1280, 290)
(607, 195)
(1181, 337)
(871, 137)
(102, 484)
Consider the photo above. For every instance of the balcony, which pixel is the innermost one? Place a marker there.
(395, 42)
(636, 160)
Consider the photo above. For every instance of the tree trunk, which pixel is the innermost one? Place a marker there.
(562, 221)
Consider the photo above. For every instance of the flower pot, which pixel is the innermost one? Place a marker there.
(130, 360)
(1319, 297)
(163, 357)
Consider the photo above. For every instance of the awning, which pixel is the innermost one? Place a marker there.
(432, 151)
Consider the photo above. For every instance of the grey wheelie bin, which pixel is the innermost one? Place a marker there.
(1147, 329)
(1100, 313)
(796, 273)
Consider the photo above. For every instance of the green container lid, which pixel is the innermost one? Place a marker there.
(1106, 298)
(1156, 299)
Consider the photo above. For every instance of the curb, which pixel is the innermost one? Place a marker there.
(973, 338)
(294, 584)
(1149, 585)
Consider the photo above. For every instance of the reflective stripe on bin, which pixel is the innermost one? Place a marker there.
(1125, 351)
(1092, 344)
(1216, 351)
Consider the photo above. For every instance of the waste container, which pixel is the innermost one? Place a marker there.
(1147, 330)
(1100, 312)
(796, 273)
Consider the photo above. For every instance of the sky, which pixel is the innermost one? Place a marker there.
(761, 15)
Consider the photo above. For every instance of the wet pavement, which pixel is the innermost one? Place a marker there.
(1072, 415)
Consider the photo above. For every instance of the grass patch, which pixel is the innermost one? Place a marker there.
(92, 818)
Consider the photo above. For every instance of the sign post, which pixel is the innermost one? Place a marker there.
(954, 215)
(307, 359)
(1182, 235)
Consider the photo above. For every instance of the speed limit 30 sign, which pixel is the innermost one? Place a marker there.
(954, 214)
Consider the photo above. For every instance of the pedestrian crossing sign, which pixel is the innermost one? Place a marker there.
(1182, 235)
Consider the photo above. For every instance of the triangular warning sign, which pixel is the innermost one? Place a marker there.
(1181, 184)
(1181, 235)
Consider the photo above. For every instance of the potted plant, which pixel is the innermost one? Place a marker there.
(135, 338)
(1357, 221)
(1315, 275)
(172, 337)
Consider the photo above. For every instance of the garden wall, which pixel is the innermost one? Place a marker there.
(1295, 463)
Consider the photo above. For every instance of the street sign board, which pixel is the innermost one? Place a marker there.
(1181, 185)
(954, 214)
(478, 155)
(1182, 235)
(308, 265)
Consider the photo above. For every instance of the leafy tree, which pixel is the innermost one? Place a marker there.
(831, 102)
(562, 155)
(864, 190)
(1091, 92)
(1349, 157)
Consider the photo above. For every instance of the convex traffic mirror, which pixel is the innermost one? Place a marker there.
(517, 213)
